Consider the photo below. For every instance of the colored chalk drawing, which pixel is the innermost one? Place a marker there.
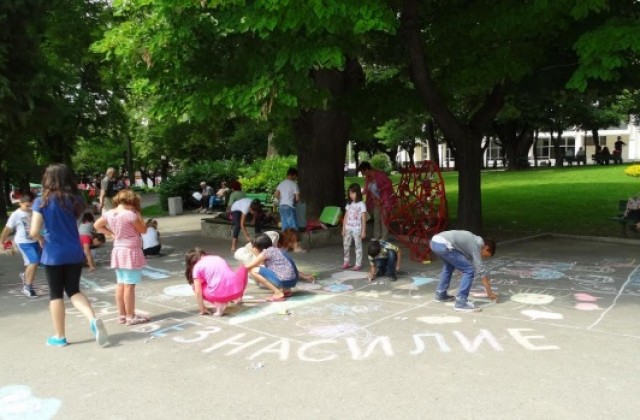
(440, 319)
(338, 288)
(18, 403)
(179, 290)
(155, 273)
(532, 298)
(536, 314)
(421, 281)
(349, 275)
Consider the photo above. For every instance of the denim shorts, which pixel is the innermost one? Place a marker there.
(272, 278)
(126, 276)
(31, 252)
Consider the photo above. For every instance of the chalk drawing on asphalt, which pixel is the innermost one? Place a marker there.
(18, 402)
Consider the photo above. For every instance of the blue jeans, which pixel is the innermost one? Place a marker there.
(387, 265)
(452, 260)
(288, 217)
(215, 201)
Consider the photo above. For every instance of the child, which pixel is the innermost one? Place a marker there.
(464, 251)
(354, 226)
(279, 273)
(20, 222)
(151, 239)
(125, 224)
(213, 280)
(239, 211)
(85, 229)
(59, 209)
(384, 258)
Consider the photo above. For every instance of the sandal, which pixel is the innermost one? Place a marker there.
(137, 319)
(288, 293)
(122, 319)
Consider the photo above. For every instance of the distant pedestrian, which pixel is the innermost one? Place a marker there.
(125, 224)
(354, 227)
(617, 150)
(463, 251)
(213, 280)
(57, 210)
(288, 193)
(20, 223)
(85, 229)
(108, 190)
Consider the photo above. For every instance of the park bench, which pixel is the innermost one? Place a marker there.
(266, 200)
(627, 224)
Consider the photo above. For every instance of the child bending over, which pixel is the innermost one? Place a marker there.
(213, 280)
(384, 258)
(279, 273)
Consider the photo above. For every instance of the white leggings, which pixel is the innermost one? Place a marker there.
(355, 235)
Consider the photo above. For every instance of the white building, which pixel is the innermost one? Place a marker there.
(570, 142)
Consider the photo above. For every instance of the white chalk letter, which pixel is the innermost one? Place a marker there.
(473, 347)
(357, 354)
(303, 349)
(233, 342)
(420, 346)
(523, 340)
(281, 347)
(200, 335)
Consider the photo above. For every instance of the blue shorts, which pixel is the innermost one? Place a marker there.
(126, 276)
(31, 252)
(272, 278)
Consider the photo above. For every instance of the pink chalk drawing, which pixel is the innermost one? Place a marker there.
(585, 297)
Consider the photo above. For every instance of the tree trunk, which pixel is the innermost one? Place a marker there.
(322, 137)
(271, 147)
(434, 155)
(3, 197)
(469, 164)
(466, 138)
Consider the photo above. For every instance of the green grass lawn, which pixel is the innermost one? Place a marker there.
(578, 200)
(153, 210)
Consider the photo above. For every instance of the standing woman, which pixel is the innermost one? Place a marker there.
(380, 198)
(59, 209)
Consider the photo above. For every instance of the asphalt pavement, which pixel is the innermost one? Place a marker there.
(561, 343)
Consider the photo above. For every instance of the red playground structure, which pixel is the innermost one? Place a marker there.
(421, 209)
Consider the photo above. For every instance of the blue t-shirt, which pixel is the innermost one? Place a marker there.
(61, 237)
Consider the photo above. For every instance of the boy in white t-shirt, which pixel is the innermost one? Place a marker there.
(288, 194)
(20, 223)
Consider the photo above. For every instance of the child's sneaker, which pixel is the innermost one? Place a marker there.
(100, 332)
(444, 297)
(346, 265)
(465, 307)
(393, 277)
(356, 268)
(29, 292)
(57, 342)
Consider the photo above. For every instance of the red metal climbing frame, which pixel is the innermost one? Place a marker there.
(421, 209)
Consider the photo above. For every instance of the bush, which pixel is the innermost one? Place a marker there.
(187, 181)
(264, 175)
(633, 170)
(381, 161)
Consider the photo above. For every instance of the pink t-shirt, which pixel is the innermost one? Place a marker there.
(220, 284)
(127, 244)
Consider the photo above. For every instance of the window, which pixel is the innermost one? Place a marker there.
(545, 149)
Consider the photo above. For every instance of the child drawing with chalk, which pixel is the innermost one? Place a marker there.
(274, 269)
(213, 280)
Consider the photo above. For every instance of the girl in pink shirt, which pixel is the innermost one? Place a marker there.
(125, 224)
(213, 280)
